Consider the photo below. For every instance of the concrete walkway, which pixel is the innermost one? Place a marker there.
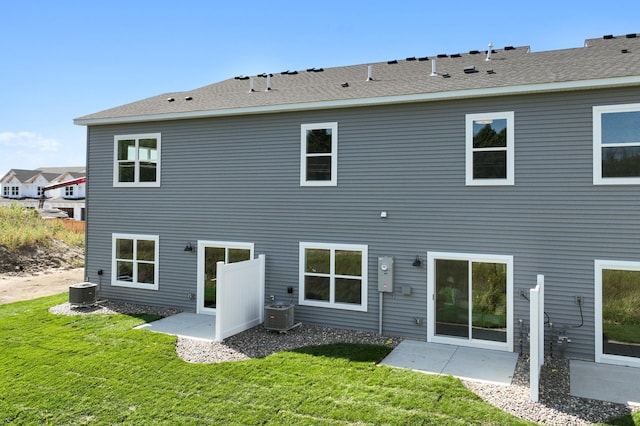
(606, 382)
(480, 365)
(185, 324)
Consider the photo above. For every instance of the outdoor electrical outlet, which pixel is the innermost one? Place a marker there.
(290, 290)
(272, 297)
(579, 300)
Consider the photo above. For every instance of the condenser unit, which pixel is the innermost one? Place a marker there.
(83, 294)
(278, 317)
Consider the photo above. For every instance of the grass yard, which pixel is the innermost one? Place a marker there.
(97, 370)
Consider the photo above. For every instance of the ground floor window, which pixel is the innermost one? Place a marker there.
(471, 299)
(333, 275)
(617, 303)
(209, 254)
(135, 261)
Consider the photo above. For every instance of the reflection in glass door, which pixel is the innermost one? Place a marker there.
(620, 320)
(470, 300)
(209, 254)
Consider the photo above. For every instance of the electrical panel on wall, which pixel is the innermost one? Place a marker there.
(385, 274)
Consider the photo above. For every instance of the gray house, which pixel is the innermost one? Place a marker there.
(419, 197)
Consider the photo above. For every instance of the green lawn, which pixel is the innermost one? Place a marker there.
(97, 370)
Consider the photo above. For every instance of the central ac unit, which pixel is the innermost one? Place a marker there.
(82, 294)
(278, 317)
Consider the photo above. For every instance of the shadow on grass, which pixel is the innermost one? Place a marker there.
(357, 352)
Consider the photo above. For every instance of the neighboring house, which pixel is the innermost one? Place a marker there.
(27, 187)
(473, 172)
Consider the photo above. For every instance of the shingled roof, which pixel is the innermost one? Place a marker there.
(605, 62)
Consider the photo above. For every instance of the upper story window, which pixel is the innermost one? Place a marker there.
(319, 151)
(68, 191)
(40, 190)
(137, 160)
(135, 261)
(333, 275)
(490, 149)
(616, 144)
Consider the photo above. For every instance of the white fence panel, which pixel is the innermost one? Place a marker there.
(536, 348)
(239, 296)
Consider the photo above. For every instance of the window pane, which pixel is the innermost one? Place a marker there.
(238, 255)
(319, 141)
(127, 149)
(147, 150)
(621, 161)
(126, 172)
(125, 271)
(490, 165)
(316, 288)
(621, 127)
(489, 305)
(452, 297)
(490, 133)
(124, 249)
(146, 273)
(319, 168)
(348, 291)
(148, 172)
(317, 261)
(621, 313)
(146, 250)
(212, 255)
(348, 262)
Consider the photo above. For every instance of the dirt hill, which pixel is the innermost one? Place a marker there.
(33, 258)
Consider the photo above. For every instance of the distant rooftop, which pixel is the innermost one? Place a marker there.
(603, 62)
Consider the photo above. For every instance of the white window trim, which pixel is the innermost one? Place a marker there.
(114, 263)
(510, 149)
(334, 154)
(599, 266)
(364, 249)
(470, 257)
(136, 183)
(597, 144)
(202, 244)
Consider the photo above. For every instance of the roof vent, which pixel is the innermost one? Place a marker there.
(413, 58)
(424, 58)
(491, 72)
(474, 52)
(509, 48)
(392, 62)
(345, 84)
(631, 35)
(241, 78)
(608, 37)
(268, 83)
(170, 99)
(188, 98)
(445, 76)
(470, 69)
(369, 73)
(251, 85)
(456, 55)
(624, 51)
(489, 51)
(443, 55)
(434, 70)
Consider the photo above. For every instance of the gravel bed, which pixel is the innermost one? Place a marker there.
(556, 406)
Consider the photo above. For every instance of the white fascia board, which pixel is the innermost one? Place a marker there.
(383, 100)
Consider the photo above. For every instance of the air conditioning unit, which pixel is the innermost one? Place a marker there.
(278, 317)
(83, 294)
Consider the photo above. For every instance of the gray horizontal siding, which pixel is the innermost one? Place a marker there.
(237, 179)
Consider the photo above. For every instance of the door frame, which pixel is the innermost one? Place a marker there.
(460, 341)
(600, 355)
(202, 245)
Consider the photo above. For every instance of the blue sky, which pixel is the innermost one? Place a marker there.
(64, 59)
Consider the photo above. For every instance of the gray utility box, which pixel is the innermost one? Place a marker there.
(82, 294)
(278, 317)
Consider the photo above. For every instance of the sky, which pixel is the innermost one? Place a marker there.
(63, 59)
